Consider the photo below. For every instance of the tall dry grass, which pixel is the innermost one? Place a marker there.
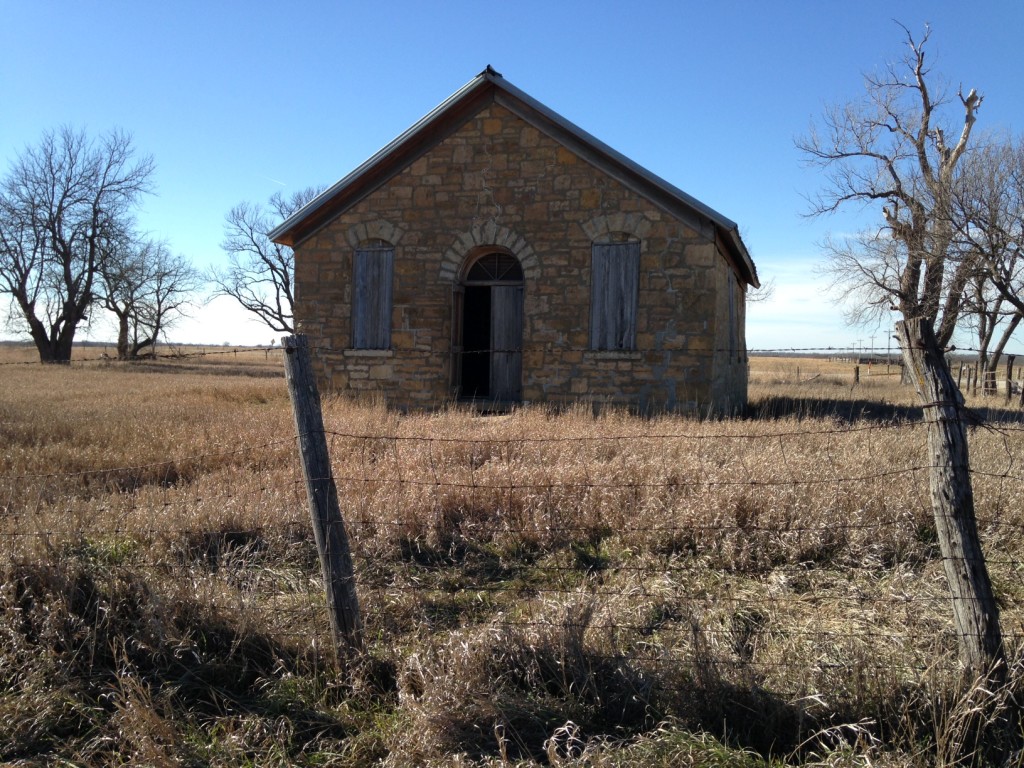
(537, 587)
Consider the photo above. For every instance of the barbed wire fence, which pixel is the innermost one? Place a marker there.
(587, 556)
(790, 552)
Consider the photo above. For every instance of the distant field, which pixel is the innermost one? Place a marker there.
(775, 370)
(209, 358)
(537, 588)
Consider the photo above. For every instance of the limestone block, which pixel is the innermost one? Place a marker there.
(567, 157)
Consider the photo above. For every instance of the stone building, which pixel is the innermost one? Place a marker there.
(497, 253)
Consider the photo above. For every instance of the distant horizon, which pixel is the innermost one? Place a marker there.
(877, 351)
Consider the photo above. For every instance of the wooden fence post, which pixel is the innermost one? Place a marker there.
(856, 374)
(975, 613)
(328, 527)
(1009, 377)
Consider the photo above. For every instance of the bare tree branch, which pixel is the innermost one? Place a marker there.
(988, 219)
(260, 274)
(888, 151)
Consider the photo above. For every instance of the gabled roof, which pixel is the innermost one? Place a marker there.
(490, 87)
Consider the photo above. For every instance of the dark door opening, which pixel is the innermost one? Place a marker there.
(476, 342)
(491, 338)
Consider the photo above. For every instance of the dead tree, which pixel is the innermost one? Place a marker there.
(975, 613)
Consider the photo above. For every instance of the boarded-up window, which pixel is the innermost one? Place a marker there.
(614, 288)
(372, 269)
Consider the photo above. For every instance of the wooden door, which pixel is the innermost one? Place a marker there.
(506, 375)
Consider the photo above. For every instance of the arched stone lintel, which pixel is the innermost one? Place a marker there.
(489, 233)
(632, 223)
(378, 229)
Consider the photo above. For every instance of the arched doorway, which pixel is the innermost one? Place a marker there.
(489, 330)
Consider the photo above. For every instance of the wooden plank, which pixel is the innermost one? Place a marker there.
(599, 280)
(615, 278)
(629, 291)
(458, 295)
(506, 343)
(372, 271)
(382, 319)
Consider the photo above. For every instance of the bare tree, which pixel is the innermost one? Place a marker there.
(763, 293)
(62, 205)
(993, 321)
(988, 217)
(146, 288)
(889, 150)
(260, 274)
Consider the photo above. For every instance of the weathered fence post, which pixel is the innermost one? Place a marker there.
(1009, 377)
(974, 607)
(856, 374)
(328, 527)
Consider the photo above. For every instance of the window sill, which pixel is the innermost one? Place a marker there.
(612, 354)
(368, 352)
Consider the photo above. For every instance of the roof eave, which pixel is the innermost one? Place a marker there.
(744, 262)
(725, 226)
(291, 230)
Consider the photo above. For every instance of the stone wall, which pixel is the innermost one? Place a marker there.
(498, 181)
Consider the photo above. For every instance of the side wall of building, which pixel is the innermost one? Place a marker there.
(498, 181)
(731, 366)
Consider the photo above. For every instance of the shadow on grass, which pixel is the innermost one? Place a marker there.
(863, 410)
(106, 645)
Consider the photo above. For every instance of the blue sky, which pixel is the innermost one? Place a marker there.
(237, 100)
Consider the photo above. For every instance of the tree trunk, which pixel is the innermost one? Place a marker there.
(1000, 349)
(62, 344)
(975, 614)
(43, 345)
(47, 347)
(139, 346)
(122, 336)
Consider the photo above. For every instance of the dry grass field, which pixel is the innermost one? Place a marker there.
(538, 588)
